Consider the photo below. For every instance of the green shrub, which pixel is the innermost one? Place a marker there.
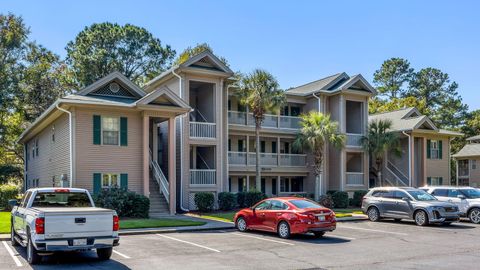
(226, 201)
(8, 192)
(241, 199)
(340, 199)
(357, 197)
(326, 200)
(330, 192)
(204, 201)
(253, 197)
(126, 203)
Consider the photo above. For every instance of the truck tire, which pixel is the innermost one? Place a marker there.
(12, 237)
(104, 253)
(32, 254)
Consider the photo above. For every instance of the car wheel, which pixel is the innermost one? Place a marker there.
(32, 253)
(241, 224)
(283, 230)
(12, 237)
(474, 215)
(421, 218)
(104, 253)
(373, 214)
(319, 234)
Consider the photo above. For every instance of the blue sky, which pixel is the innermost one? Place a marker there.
(297, 41)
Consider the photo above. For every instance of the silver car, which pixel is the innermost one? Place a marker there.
(408, 203)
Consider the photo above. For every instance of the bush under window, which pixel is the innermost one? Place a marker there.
(205, 201)
(340, 199)
(126, 203)
(226, 201)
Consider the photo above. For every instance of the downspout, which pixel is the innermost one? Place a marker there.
(409, 158)
(71, 141)
(181, 142)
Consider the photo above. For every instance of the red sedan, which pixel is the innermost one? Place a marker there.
(286, 216)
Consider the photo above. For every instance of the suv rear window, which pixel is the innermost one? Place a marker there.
(61, 199)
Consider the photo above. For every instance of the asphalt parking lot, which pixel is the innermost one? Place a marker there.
(354, 245)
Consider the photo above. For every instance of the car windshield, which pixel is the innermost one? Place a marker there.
(420, 195)
(61, 199)
(302, 204)
(471, 193)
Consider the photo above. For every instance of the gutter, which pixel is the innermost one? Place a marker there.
(70, 135)
(181, 142)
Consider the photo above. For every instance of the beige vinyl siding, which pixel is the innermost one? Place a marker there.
(475, 173)
(53, 159)
(438, 167)
(92, 158)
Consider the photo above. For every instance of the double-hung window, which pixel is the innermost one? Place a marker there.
(110, 180)
(434, 149)
(110, 130)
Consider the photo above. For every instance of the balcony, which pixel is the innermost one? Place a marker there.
(354, 140)
(355, 178)
(201, 177)
(267, 159)
(270, 120)
(203, 130)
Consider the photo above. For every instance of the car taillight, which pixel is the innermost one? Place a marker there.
(40, 225)
(116, 223)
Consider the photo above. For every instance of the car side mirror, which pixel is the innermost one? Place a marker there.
(461, 197)
(13, 202)
(406, 199)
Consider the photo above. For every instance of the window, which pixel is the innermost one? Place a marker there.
(61, 199)
(435, 149)
(33, 150)
(274, 186)
(109, 180)
(434, 181)
(278, 205)
(294, 184)
(379, 193)
(25, 199)
(36, 147)
(453, 193)
(242, 185)
(262, 147)
(295, 111)
(262, 185)
(53, 133)
(35, 182)
(474, 164)
(284, 185)
(440, 192)
(229, 145)
(303, 204)
(240, 146)
(297, 185)
(421, 195)
(274, 147)
(399, 195)
(110, 130)
(263, 205)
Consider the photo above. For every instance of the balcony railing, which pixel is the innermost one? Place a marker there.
(354, 139)
(202, 130)
(355, 178)
(270, 120)
(202, 177)
(267, 159)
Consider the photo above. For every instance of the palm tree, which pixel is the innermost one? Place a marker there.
(378, 142)
(317, 130)
(260, 92)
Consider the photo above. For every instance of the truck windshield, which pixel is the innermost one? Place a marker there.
(61, 199)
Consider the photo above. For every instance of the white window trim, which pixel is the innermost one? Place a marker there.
(435, 149)
(110, 180)
(101, 129)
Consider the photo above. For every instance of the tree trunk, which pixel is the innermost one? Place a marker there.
(258, 179)
(318, 181)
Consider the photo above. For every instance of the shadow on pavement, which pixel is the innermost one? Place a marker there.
(453, 226)
(304, 238)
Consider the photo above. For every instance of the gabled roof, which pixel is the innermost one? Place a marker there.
(163, 96)
(333, 84)
(469, 150)
(410, 119)
(114, 76)
(474, 138)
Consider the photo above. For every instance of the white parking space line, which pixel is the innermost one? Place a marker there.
(371, 230)
(264, 239)
(10, 251)
(187, 242)
(121, 254)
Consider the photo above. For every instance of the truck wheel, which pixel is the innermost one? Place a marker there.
(12, 237)
(104, 253)
(32, 254)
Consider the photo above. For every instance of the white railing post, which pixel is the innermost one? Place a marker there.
(202, 177)
(202, 130)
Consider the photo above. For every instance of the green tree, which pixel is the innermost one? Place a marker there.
(440, 95)
(378, 141)
(377, 105)
(106, 47)
(197, 49)
(392, 76)
(317, 130)
(260, 92)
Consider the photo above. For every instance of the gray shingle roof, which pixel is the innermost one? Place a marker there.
(474, 138)
(315, 85)
(100, 99)
(397, 119)
(469, 150)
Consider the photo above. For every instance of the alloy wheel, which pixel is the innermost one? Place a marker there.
(373, 214)
(241, 224)
(420, 218)
(475, 216)
(283, 230)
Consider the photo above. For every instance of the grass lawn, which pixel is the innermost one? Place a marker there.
(156, 223)
(228, 216)
(4, 222)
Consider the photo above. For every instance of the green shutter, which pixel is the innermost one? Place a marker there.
(97, 129)
(123, 131)
(97, 183)
(440, 181)
(428, 148)
(429, 180)
(124, 181)
(440, 149)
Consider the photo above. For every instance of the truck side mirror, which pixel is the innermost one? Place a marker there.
(13, 202)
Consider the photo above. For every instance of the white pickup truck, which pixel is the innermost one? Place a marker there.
(62, 219)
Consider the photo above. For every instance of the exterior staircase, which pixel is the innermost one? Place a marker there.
(158, 203)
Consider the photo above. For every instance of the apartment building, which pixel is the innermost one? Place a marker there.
(468, 163)
(425, 151)
(185, 132)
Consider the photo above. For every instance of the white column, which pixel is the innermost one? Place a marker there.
(155, 142)
(146, 175)
(456, 169)
(342, 151)
(172, 182)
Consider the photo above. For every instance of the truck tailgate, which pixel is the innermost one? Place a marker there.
(77, 222)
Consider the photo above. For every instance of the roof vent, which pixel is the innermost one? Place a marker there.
(114, 87)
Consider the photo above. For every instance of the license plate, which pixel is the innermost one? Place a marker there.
(79, 242)
(321, 218)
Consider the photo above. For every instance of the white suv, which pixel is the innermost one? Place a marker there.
(466, 198)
